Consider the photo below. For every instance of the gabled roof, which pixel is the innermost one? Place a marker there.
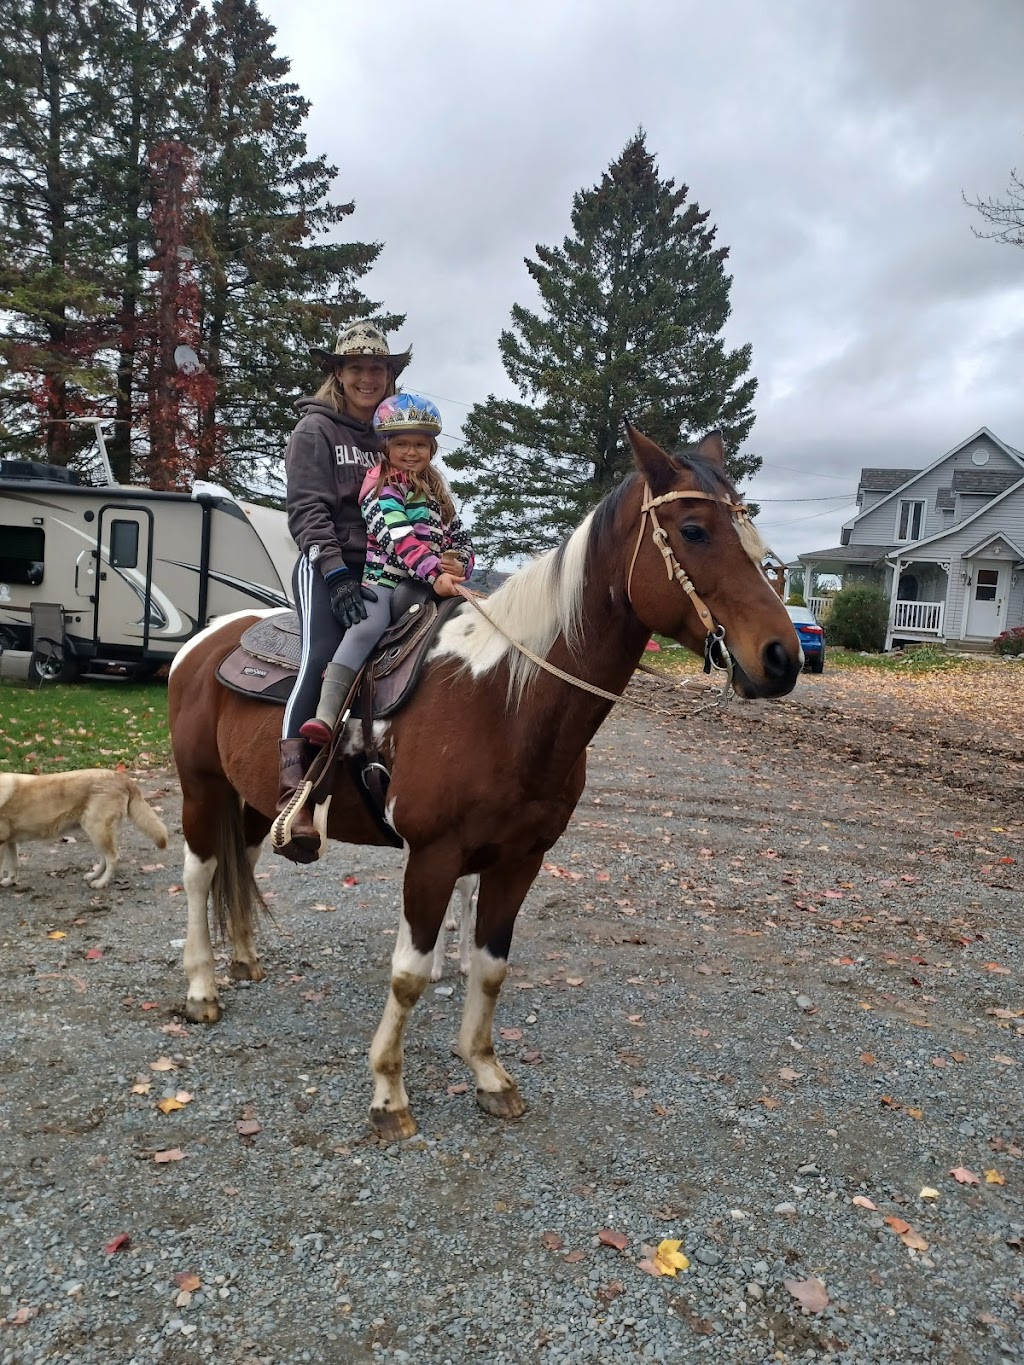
(849, 554)
(1014, 455)
(984, 544)
(990, 481)
(959, 526)
(885, 480)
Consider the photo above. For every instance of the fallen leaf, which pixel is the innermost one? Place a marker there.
(994, 1178)
(169, 1105)
(350, 880)
(94, 954)
(868, 1058)
(248, 1127)
(768, 1102)
(928, 1193)
(995, 967)
(574, 1257)
(1003, 1060)
(963, 1176)
(863, 1202)
(163, 1064)
(787, 1073)
(914, 1240)
(56, 933)
(915, 1113)
(574, 981)
(669, 1259)
(532, 1058)
(511, 1035)
(810, 1294)
(119, 1243)
(609, 1238)
(171, 1154)
(188, 1280)
(552, 1241)
(23, 1315)
(459, 1088)
(898, 1225)
(142, 1088)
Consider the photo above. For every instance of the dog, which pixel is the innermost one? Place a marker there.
(468, 888)
(94, 800)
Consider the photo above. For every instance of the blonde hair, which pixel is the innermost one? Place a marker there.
(331, 392)
(430, 483)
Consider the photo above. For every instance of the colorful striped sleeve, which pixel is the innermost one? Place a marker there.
(402, 529)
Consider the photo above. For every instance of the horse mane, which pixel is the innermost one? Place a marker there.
(544, 599)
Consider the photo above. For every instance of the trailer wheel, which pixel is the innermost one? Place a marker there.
(52, 668)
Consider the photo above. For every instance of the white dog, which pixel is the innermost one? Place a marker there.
(94, 800)
(468, 889)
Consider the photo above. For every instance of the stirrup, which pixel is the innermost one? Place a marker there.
(320, 813)
(281, 829)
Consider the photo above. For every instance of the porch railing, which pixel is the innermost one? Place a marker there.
(924, 618)
(820, 606)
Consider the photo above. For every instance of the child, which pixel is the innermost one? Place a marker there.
(413, 531)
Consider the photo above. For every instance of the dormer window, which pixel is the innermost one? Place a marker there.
(910, 520)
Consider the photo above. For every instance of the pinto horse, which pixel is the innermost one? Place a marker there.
(488, 760)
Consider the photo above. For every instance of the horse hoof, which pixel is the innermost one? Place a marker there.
(393, 1125)
(203, 1011)
(247, 971)
(502, 1104)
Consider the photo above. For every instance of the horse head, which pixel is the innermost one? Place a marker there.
(695, 569)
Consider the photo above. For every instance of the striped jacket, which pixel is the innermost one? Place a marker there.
(405, 536)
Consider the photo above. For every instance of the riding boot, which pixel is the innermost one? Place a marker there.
(304, 844)
(338, 680)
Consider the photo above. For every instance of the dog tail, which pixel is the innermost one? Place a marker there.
(145, 818)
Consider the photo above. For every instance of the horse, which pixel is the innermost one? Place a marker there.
(487, 761)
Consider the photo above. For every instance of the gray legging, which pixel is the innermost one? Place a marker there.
(320, 636)
(359, 640)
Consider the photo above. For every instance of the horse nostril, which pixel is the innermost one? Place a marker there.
(775, 658)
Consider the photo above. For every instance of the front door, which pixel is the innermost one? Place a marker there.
(123, 577)
(987, 593)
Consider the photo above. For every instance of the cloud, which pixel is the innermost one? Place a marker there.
(832, 145)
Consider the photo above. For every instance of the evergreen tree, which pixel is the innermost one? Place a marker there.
(633, 305)
(270, 285)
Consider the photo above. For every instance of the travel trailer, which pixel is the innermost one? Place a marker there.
(136, 572)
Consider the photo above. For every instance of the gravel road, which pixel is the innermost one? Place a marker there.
(766, 993)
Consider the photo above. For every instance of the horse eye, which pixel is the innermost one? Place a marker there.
(694, 534)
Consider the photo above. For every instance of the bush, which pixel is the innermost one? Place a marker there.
(1010, 642)
(795, 599)
(858, 619)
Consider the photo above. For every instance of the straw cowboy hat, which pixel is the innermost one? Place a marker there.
(359, 339)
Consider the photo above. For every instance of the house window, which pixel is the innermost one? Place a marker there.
(910, 522)
(21, 560)
(986, 584)
(124, 544)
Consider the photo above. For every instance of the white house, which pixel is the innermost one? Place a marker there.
(945, 544)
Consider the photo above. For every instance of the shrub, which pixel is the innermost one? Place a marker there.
(1010, 642)
(858, 619)
(795, 599)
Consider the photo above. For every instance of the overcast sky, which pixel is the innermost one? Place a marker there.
(831, 143)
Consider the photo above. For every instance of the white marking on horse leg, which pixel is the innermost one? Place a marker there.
(201, 1003)
(476, 1036)
(468, 888)
(410, 972)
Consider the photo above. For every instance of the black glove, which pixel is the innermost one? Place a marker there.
(347, 598)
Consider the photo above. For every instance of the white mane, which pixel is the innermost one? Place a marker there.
(534, 606)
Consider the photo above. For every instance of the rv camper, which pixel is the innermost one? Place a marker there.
(137, 573)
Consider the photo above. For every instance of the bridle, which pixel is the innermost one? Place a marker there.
(716, 653)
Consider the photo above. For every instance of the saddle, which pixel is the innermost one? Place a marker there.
(265, 662)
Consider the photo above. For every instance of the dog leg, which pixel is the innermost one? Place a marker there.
(8, 863)
(103, 833)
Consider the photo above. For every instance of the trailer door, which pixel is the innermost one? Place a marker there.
(124, 576)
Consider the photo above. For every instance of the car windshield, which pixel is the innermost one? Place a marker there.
(802, 616)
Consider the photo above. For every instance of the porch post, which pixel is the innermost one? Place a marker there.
(893, 595)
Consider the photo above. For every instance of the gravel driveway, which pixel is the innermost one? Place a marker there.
(765, 995)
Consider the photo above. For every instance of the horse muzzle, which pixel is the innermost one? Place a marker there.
(780, 668)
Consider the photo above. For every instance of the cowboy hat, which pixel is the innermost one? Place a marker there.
(360, 339)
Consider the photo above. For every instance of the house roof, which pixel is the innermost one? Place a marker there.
(990, 540)
(885, 480)
(990, 481)
(848, 554)
(945, 500)
(955, 530)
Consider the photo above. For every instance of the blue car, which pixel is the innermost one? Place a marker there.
(812, 638)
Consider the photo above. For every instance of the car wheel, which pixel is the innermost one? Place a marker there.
(816, 665)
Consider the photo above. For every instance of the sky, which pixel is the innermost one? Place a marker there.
(832, 143)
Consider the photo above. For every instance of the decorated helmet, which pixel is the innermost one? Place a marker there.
(407, 414)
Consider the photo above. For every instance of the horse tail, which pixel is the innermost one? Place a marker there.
(236, 897)
(144, 817)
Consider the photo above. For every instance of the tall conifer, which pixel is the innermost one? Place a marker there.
(632, 309)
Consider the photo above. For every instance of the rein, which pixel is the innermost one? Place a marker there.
(716, 654)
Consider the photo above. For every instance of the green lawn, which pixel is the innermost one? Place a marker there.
(85, 725)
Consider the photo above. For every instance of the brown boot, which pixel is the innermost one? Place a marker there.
(304, 844)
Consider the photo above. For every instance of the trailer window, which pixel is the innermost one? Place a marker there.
(124, 544)
(21, 554)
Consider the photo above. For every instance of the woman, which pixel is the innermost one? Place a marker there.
(328, 455)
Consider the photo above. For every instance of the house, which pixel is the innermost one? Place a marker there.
(945, 544)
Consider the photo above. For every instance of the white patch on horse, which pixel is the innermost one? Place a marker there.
(216, 625)
(534, 606)
(197, 878)
(410, 972)
(353, 741)
(466, 888)
(389, 816)
(476, 1035)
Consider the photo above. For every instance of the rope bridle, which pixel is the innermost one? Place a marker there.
(716, 653)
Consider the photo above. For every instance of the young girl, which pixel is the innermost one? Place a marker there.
(412, 531)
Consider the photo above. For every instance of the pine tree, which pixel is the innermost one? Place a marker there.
(633, 305)
(270, 284)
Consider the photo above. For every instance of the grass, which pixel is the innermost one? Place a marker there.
(85, 725)
(914, 662)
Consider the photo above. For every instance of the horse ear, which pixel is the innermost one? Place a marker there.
(712, 449)
(656, 467)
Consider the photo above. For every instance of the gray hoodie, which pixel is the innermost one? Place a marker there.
(327, 458)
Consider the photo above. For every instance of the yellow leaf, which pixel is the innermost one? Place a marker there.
(928, 1193)
(56, 933)
(994, 1178)
(668, 1258)
(915, 1113)
(143, 1088)
(168, 1106)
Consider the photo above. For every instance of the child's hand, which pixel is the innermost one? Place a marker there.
(453, 565)
(447, 585)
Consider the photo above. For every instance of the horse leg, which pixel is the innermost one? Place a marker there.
(200, 814)
(503, 889)
(245, 961)
(429, 880)
(468, 888)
